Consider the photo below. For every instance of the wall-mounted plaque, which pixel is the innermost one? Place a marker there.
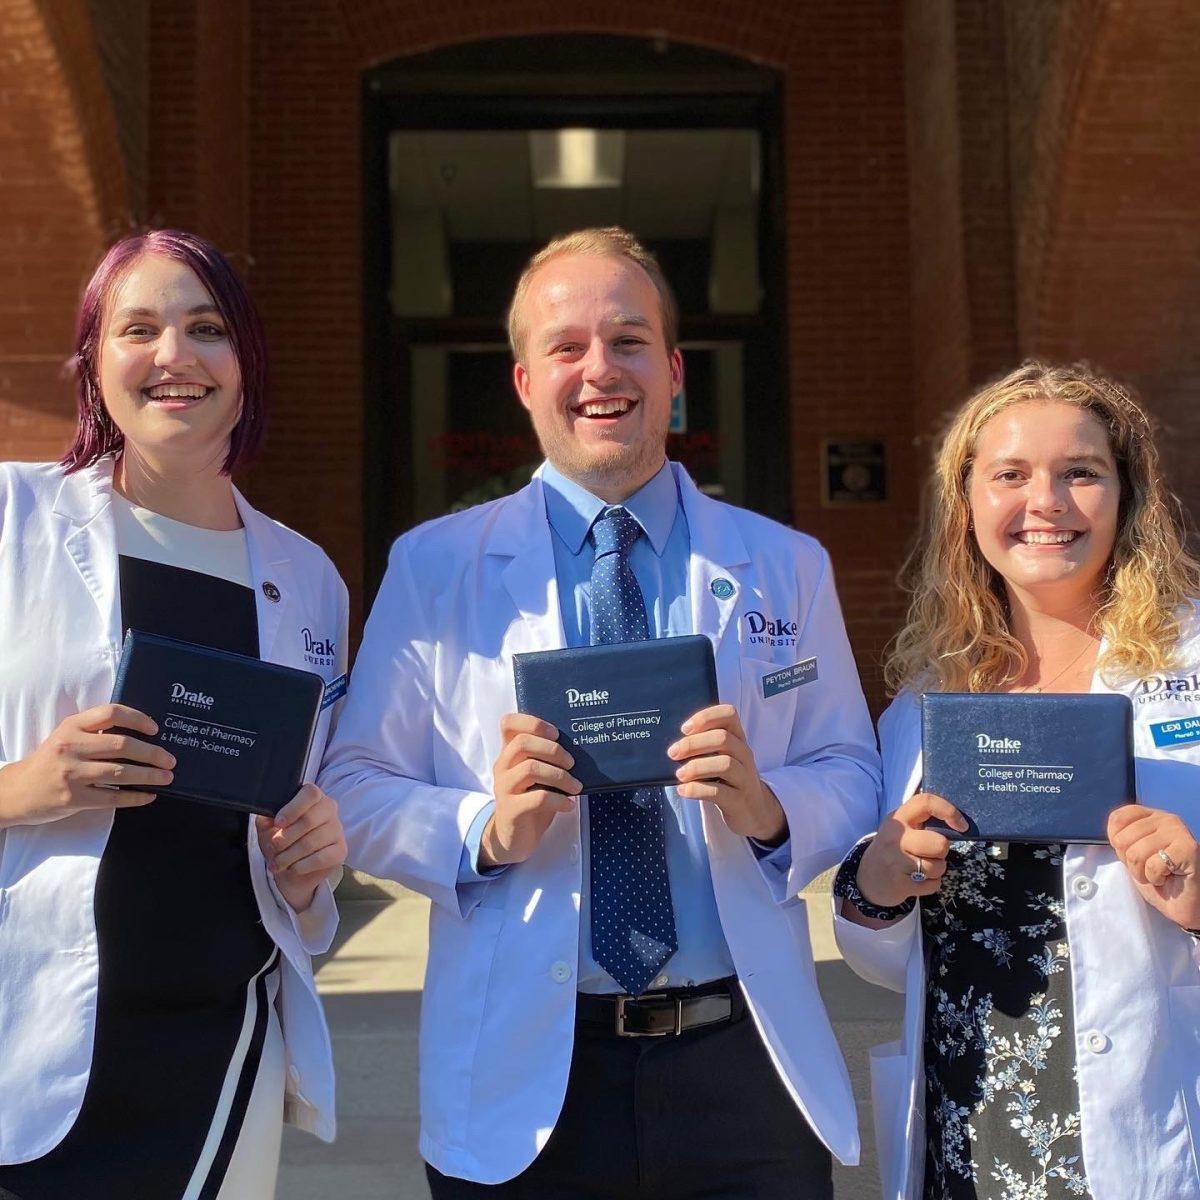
(853, 472)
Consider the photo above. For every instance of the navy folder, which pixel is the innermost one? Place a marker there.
(619, 707)
(240, 728)
(1028, 767)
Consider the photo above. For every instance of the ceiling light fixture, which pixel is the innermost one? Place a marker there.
(577, 158)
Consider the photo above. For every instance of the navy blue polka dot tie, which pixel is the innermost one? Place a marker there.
(633, 925)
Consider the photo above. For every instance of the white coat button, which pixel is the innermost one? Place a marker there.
(560, 972)
(1083, 887)
(1096, 1042)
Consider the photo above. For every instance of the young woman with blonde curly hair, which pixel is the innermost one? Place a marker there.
(1051, 1042)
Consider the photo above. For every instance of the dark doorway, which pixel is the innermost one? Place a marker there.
(477, 155)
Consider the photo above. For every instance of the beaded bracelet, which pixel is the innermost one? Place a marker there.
(845, 887)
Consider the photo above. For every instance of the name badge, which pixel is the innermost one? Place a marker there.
(335, 689)
(1183, 732)
(787, 678)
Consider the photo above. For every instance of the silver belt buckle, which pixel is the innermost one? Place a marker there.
(623, 1000)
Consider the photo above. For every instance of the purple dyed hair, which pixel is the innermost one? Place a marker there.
(95, 434)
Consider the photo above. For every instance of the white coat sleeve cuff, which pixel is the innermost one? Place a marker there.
(472, 882)
(825, 817)
(317, 924)
(880, 956)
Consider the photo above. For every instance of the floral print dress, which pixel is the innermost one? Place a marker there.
(1002, 1100)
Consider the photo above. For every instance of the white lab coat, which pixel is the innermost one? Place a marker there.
(60, 620)
(1136, 980)
(411, 766)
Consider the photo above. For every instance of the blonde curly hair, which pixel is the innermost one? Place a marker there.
(956, 636)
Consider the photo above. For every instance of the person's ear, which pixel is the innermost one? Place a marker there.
(521, 384)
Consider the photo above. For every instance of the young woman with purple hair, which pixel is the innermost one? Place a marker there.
(158, 1016)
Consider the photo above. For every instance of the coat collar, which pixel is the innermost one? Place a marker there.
(716, 571)
(521, 533)
(270, 572)
(84, 499)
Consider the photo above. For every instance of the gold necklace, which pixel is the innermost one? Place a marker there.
(1041, 687)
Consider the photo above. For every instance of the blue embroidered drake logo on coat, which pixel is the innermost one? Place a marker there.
(762, 630)
(318, 651)
(1156, 688)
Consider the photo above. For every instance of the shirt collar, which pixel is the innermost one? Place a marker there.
(571, 508)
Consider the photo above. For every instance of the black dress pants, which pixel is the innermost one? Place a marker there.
(701, 1116)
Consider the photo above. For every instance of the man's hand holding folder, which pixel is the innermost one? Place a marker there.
(533, 783)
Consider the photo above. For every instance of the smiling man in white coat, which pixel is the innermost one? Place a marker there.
(630, 1039)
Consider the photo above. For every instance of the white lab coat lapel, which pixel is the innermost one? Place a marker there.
(85, 500)
(270, 574)
(522, 535)
(717, 552)
(520, 552)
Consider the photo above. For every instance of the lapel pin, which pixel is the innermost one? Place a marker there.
(271, 592)
(721, 588)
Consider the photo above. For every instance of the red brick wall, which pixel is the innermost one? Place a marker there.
(62, 191)
(1120, 282)
(1049, 47)
(121, 30)
(941, 317)
(1054, 198)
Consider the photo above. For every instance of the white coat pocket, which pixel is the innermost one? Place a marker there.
(457, 979)
(767, 720)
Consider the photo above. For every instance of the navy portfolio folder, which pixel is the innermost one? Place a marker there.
(619, 707)
(240, 729)
(1028, 767)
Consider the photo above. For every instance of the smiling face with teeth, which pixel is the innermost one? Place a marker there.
(1045, 494)
(598, 377)
(168, 373)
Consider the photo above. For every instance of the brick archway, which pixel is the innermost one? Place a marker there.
(846, 240)
(1120, 278)
(62, 196)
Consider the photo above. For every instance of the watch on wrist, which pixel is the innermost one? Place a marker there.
(845, 887)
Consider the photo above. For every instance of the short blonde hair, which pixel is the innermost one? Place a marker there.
(956, 636)
(612, 241)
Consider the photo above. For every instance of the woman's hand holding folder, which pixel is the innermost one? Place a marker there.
(1161, 855)
(903, 849)
(82, 765)
(303, 844)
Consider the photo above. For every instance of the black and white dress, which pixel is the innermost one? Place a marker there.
(1001, 1100)
(185, 1095)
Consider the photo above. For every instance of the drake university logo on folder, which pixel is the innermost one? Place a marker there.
(618, 707)
(240, 729)
(1027, 767)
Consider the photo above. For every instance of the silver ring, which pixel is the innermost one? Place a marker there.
(1169, 862)
(919, 876)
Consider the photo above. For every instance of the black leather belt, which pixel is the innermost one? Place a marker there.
(663, 1014)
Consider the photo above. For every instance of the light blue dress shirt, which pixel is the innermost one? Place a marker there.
(659, 562)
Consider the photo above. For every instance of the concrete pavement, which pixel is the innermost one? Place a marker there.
(371, 984)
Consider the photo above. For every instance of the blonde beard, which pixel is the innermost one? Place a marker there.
(619, 474)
